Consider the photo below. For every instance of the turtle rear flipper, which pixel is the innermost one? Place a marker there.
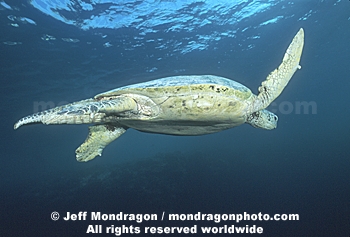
(99, 137)
(81, 112)
(274, 84)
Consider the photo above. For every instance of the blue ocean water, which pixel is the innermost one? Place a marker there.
(55, 52)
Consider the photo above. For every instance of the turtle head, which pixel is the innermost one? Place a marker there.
(263, 119)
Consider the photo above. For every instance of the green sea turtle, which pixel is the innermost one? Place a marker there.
(178, 105)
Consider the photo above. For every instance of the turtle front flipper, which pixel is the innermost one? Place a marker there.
(99, 137)
(273, 86)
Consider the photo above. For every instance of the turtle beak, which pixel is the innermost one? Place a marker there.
(271, 120)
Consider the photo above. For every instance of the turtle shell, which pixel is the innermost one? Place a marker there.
(190, 105)
(177, 85)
